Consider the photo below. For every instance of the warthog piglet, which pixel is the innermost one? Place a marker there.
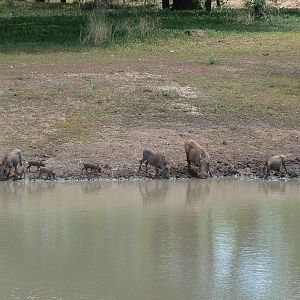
(92, 167)
(50, 174)
(35, 163)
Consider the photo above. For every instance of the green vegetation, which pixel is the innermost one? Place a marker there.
(213, 60)
(53, 28)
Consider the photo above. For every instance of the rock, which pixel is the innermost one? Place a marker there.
(197, 32)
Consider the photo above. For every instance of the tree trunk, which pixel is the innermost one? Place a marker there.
(63, 1)
(185, 4)
(219, 3)
(208, 5)
(165, 4)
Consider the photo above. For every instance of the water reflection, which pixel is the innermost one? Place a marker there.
(96, 187)
(189, 239)
(197, 192)
(153, 191)
(39, 189)
(275, 187)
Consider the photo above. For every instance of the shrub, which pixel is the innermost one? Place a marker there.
(213, 60)
(258, 7)
(100, 29)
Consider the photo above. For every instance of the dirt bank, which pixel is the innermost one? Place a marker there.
(234, 150)
(105, 108)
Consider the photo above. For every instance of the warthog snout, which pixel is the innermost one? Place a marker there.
(203, 175)
(166, 172)
(204, 168)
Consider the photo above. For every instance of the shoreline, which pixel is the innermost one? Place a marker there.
(219, 170)
(146, 179)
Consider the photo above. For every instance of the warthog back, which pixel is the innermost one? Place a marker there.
(154, 159)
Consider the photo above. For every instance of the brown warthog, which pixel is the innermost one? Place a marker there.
(19, 173)
(197, 155)
(48, 171)
(156, 160)
(274, 163)
(11, 160)
(92, 167)
(35, 163)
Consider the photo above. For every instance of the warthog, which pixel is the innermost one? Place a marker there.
(92, 167)
(197, 155)
(156, 160)
(35, 163)
(19, 173)
(274, 163)
(11, 160)
(48, 171)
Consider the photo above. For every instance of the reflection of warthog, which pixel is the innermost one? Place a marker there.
(95, 187)
(274, 163)
(92, 167)
(11, 160)
(156, 160)
(49, 172)
(34, 190)
(35, 163)
(197, 193)
(153, 191)
(197, 155)
(272, 188)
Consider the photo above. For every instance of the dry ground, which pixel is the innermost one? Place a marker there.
(106, 106)
(278, 3)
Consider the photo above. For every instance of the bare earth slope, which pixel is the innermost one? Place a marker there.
(69, 108)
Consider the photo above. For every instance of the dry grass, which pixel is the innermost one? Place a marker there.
(101, 29)
(71, 97)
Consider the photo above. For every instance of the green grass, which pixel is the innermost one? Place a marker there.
(54, 28)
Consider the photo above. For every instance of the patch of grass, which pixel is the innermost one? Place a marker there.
(254, 99)
(77, 127)
(58, 84)
(213, 60)
(102, 30)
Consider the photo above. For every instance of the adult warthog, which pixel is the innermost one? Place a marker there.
(274, 163)
(156, 160)
(11, 160)
(197, 155)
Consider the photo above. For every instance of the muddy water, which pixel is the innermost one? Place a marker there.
(150, 240)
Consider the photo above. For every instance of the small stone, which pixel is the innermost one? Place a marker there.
(197, 32)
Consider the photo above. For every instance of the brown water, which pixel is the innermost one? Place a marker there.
(186, 240)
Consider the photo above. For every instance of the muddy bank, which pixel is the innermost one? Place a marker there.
(248, 168)
(219, 169)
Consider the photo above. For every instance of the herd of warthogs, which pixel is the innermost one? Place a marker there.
(195, 154)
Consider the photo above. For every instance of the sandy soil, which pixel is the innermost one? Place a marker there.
(279, 3)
